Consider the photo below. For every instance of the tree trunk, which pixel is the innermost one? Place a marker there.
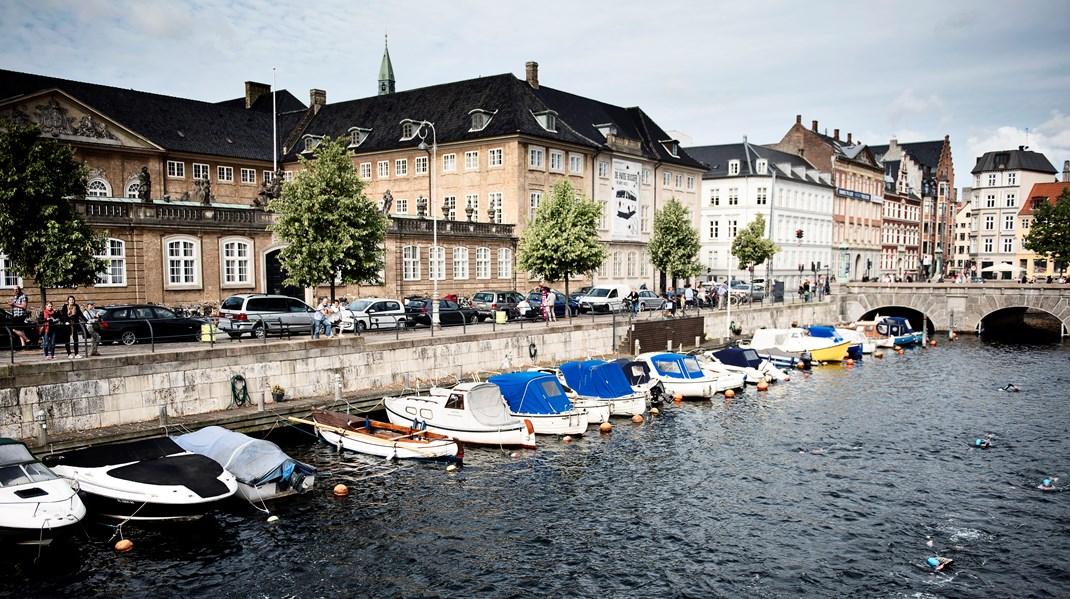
(568, 311)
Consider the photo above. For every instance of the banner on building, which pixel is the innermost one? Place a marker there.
(624, 208)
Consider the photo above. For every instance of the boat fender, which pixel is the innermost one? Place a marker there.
(419, 425)
(533, 350)
(529, 426)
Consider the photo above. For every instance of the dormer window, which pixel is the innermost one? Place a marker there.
(606, 129)
(408, 130)
(480, 118)
(733, 167)
(547, 119)
(761, 166)
(357, 135)
(311, 141)
(672, 147)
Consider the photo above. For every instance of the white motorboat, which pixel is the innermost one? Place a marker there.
(601, 380)
(382, 439)
(744, 361)
(798, 341)
(262, 469)
(147, 480)
(36, 505)
(539, 397)
(683, 375)
(473, 413)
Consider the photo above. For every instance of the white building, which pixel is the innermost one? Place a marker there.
(744, 180)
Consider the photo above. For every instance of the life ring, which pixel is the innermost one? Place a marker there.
(529, 426)
(533, 350)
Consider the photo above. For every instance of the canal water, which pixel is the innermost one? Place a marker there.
(839, 484)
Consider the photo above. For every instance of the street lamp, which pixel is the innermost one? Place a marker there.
(939, 259)
(846, 271)
(421, 132)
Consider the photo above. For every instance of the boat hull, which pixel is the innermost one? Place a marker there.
(597, 410)
(273, 490)
(833, 353)
(53, 511)
(515, 434)
(628, 405)
(569, 423)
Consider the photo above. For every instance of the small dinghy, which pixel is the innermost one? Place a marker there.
(147, 480)
(36, 506)
(262, 469)
(382, 439)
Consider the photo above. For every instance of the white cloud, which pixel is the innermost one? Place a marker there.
(1051, 138)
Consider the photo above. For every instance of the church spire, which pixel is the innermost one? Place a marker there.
(386, 72)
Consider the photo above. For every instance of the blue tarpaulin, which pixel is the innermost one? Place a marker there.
(677, 366)
(597, 378)
(739, 357)
(532, 393)
(825, 332)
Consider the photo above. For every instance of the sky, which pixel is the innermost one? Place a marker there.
(993, 75)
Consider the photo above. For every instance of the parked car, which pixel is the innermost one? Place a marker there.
(372, 313)
(449, 312)
(486, 303)
(604, 299)
(260, 314)
(648, 300)
(28, 327)
(535, 300)
(747, 292)
(130, 324)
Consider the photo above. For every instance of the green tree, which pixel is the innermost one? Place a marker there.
(333, 229)
(44, 237)
(563, 239)
(751, 247)
(674, 246)
(1049, 233)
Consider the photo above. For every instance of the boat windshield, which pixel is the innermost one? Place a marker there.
(668, 367)
(21, 474)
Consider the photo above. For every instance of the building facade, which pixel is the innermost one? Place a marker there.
(1030, 264)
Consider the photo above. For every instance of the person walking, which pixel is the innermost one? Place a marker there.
(72, 316)
(92, 326)
(48, 331)
(551, 308)
(334, 318)
(722, 295)
(319, 318)
(19, 311)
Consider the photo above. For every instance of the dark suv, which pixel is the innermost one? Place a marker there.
(486, 303)
(260, 314)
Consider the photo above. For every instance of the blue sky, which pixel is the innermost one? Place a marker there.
(992, 75)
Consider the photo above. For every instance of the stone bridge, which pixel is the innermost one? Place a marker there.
(955, 306)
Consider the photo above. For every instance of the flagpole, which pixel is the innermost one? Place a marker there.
(274, 127)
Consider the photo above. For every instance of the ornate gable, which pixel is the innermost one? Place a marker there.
(63, 117)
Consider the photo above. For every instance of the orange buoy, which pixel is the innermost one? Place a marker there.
(729, 393)
(897, 348)
(341, 490)
(787, 378)
(800, 366)
(806, 375)
(654, 411)
(878, 354)
(932, 343)
(124, 545)
(677, 398)
(605, 427)
(850, 362)
(567, 439)
(763, 386)
(637, 418)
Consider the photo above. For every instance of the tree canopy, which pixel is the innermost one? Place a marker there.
(44, 237)
(1049, 233)
(563, 238)
(751, 247)
(675, 243)
(335, 233)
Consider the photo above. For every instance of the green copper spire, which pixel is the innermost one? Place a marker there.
(386, 72)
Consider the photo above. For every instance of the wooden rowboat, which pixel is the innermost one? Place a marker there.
(382, 439)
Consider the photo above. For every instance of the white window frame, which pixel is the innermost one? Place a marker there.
(450, 202)
(436, 263)
(460, 263)
(114, 274)
(449, 163)
(383, 169)
(401, 167)
(202, 168)
(472, 199)
(534, 199)
(98, 188)
(366, 171)
(419, 165)
(505, 263)
(575, 164)
(8, 278)
(176, 169)
(495, 208)
(691, 183)
(482, 263)
(557, 161)
(536, 158)
(133, 187)
(495, 157)
(1008, 222)
(401, 206)
(236, 265)
(224, 174)
(471, 160)
(666, 179)
(410, 257)
(248, 176)
(188, 265)
(603, 169)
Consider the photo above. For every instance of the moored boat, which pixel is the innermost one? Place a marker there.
(638, 375)
(382, 439)
(744, 361)
(888, 331)
(597, 410)
(262, 469)
(855, 347)
(472, 413)
(683, 375)
(36, 505)
(539, 397)
(147, 480)
(601, 380)
(798, 341)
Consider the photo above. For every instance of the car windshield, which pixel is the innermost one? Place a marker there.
(359, 305)
(598, 292)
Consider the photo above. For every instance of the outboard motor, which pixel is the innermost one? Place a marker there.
(806, 359)
(657, 394)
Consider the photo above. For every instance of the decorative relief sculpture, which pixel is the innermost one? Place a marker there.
(421, 206)
(388, 201)
(144, 185)
(270, 190)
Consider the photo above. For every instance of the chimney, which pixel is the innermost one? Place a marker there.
(849, 138)
(814, 127)
(317, 98)
(836, 134)
(798, 119)
(531, 69)
(1066, 171)
(253, 91)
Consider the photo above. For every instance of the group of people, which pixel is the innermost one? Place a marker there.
(548, 300)
(327, 319)
(66, 323)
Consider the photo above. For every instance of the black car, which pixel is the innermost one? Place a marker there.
(133, 323)
(7, 331)
(449, 312)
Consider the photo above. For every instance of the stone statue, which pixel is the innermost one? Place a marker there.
(144, 185)
(421, 206)
(206, 190)
(388, 201)
(270, 190)
(445, 211)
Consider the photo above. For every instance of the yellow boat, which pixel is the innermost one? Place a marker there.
(832, 353)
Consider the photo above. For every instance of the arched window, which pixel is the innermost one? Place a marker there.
(132, 187)
(182, 262)
(236, 261)
(460, 263)
(616, 264)
(98, 188)
(114, 274)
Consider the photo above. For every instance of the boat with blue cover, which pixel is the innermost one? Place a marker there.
(603, 380)
(683, 375)
(539, 397)
(897, 330)
(745, 361)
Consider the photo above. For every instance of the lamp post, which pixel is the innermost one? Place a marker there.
(846, 270)
(421, 132)
(939, 259)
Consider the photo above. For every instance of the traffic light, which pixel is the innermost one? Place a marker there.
(798, 233)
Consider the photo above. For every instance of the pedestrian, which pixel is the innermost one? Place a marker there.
(551, 308)
(722, 295)
(689, 296)
(72, 316)
(545, 305)
(19, 304)
(334, 318)
(92, 329)
(633, 301)
(319, 318)
(48, 331)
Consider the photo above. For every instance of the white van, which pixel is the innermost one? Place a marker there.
(605, 298)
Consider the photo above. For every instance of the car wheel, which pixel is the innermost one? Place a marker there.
(472, 319)
(259, 332)
(128, 337)
(482, 318)
(359, 326)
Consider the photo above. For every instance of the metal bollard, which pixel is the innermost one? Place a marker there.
(698, 341)
(668, 345)
(338, 387)
(637, 352)
(263, 400)
(163, 415)
(42, 430)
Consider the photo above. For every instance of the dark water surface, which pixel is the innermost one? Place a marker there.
(826, 486)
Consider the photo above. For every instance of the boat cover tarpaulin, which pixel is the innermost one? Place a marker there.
(826, 332)
(532, 393)
(676, 366)
(252, 461)
(739, 357)
(598, 378)
(486, 405)
(637, 373)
